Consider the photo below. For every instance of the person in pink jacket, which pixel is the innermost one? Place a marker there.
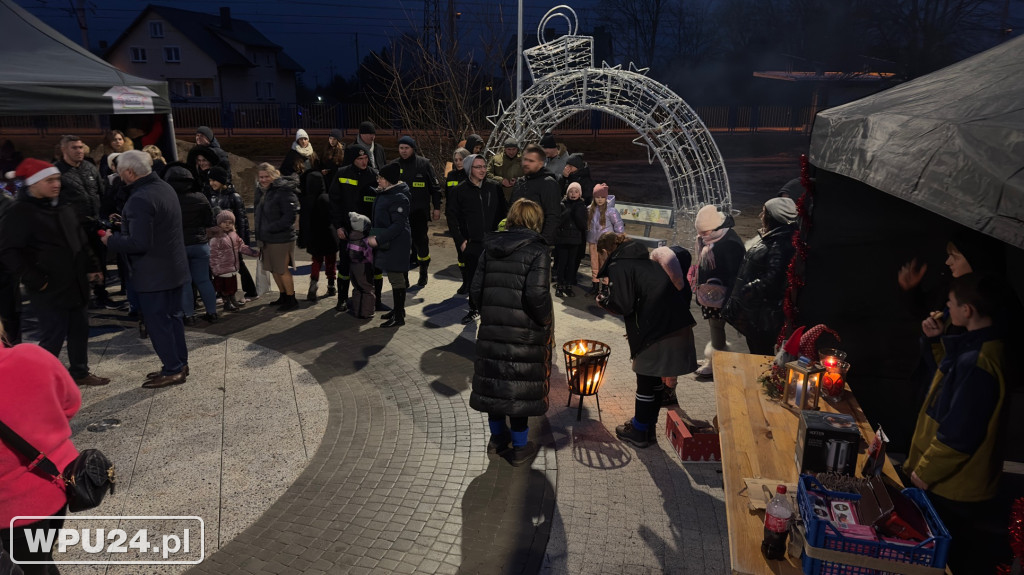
(604, 218)
(39, 400)
(225, 245)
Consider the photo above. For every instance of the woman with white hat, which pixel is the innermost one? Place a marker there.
(719, 252)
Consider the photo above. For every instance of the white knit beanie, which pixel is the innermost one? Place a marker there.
(301, 134)
(708, 219)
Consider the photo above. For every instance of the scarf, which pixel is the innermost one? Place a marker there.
(704, 247)
(304, 152)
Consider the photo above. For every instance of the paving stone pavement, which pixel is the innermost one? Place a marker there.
(401, 481)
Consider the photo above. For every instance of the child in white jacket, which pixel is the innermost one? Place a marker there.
(603, 218)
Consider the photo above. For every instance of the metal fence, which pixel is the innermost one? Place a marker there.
(259, 118)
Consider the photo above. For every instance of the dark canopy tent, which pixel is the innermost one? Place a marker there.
(44, 73)
(898, 174)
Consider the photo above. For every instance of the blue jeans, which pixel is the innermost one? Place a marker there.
(199, 268)
(161, 311)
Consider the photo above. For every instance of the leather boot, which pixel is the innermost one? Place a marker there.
(398, 315)
(424, 264)
(311, 294)
(595, 288)
(378, 286)
(331, 290)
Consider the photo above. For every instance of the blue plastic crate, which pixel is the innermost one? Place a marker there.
(931, 552)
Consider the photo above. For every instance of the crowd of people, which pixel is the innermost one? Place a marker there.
(520, 220)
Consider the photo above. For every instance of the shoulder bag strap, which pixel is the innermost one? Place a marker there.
(36, 458)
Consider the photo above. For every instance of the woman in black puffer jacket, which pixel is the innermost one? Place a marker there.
(513, 345)
(650, 292)
(275, 235)
(755, 306)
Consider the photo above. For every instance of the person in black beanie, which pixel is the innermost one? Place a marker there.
(367, 135)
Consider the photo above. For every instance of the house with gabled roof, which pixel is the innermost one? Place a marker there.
(205, 57)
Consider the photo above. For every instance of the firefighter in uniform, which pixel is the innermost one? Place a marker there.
(424, 191)
(353, 189)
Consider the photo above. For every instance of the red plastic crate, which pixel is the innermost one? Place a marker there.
(691, 446)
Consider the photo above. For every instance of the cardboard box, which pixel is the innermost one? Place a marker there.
(827, 442)
(691, 446)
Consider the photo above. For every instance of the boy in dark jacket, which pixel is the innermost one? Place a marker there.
(956, 452)
(475, 207)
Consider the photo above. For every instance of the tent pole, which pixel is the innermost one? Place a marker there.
(174, 140)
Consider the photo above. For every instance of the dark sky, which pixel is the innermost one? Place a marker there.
(317, 33)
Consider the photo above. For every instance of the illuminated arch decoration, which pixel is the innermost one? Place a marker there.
(566, 82)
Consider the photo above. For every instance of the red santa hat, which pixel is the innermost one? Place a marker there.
(32, 170)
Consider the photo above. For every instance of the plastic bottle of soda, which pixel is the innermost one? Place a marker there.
(776, 525)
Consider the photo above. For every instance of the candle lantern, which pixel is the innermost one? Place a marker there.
(833, 380)
(585, 362)
(803, 383)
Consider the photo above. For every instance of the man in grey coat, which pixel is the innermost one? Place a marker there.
(152, 237)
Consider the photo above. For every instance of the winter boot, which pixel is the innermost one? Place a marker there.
(595, 288)
(342, 295)
(331, 290)
(558, 291)
(378, 286)
(281, 298)
(289, 303)
(311, 294)
(398, 314)
(229, 304)
(424, 264)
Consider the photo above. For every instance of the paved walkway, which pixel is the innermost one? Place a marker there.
(313, 442)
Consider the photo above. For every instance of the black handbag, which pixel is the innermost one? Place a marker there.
(87, 479)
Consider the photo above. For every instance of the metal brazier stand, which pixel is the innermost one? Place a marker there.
(585, 361)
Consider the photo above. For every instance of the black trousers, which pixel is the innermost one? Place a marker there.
(566, 264)
(57, 325)
(20, 550)
(420, 243)
(248, 284)
(977, 546)
(471, 259)
(10, 307)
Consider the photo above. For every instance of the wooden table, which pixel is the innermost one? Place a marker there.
(758, 439)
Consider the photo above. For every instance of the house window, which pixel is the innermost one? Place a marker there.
(193, 90)
(257, 90)
(138, 54)
(270, 90)
(156, 29)
(269, 59)
(172, 54)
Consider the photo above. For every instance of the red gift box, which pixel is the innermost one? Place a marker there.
(691, 445)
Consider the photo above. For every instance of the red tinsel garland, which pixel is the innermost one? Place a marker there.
(1016, 532)
(795, 281)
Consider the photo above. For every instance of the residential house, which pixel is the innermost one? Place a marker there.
(205, 57)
